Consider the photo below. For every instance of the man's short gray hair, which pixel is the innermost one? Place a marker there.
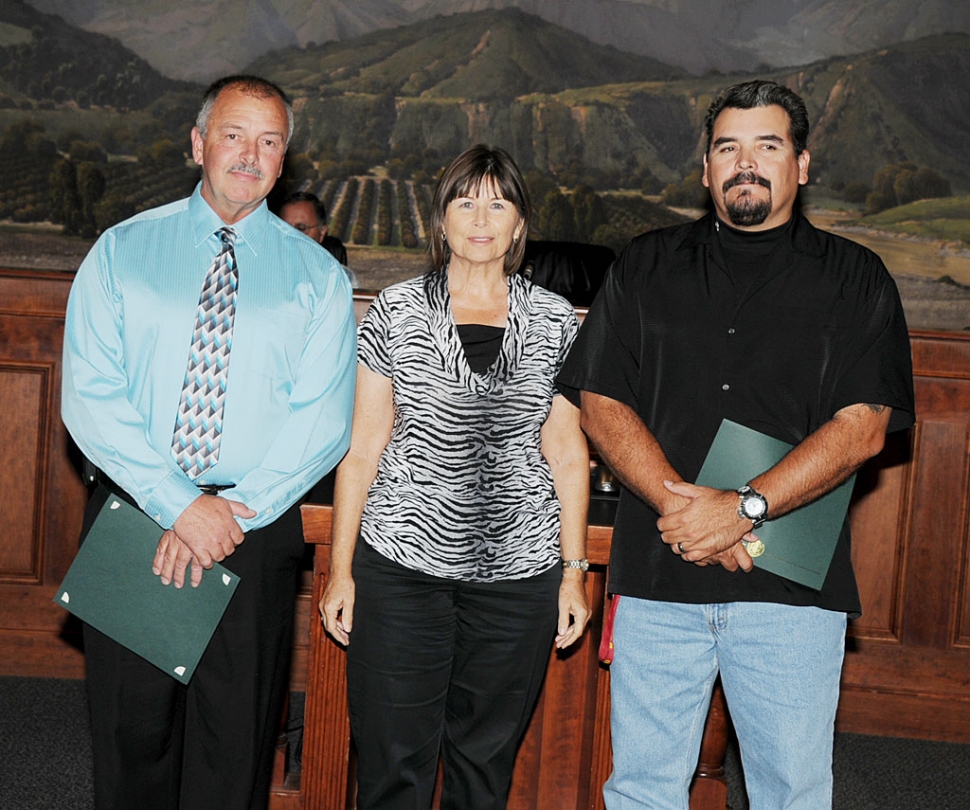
(254, 85)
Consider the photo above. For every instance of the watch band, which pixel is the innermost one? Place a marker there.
(582, 564)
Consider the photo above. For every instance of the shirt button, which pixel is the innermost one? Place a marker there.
(725, 387)
(731, 331)
(158, 518)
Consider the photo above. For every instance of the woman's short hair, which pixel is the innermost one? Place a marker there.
(476, 167)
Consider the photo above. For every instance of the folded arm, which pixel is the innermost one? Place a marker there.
(316, 432)
(635, 456)
(709, 523)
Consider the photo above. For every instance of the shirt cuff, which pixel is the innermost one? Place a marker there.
(170, 499)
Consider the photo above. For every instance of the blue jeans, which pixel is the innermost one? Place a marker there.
(780, 667)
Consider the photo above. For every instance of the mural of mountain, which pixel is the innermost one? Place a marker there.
(497, 76)
(556, 100)
(200, 39)
(891, 105)
(562, 104)
(92, 133)
(203, 39)
(472, 57)
(42, 57)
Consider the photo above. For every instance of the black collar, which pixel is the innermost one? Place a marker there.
(804, 236)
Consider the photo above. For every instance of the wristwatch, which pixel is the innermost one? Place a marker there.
(753, 505)
(582, 565)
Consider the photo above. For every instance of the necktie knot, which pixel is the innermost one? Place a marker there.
(228, 236)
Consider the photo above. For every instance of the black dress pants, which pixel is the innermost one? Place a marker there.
(161, 745)
(438, 666)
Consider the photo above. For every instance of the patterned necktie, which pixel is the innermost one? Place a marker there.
(198, 426)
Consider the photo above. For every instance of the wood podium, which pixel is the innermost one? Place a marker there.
(565, 756)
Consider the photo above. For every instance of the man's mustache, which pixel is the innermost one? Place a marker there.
(247, 168)
(746, 177)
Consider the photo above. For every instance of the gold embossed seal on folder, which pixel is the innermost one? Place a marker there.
(755, 548)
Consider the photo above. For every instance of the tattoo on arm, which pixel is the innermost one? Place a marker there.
(875, 408)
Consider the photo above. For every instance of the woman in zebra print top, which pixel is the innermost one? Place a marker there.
(467, 482)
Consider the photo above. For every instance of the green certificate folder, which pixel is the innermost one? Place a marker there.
(798, 546)
(110, 585)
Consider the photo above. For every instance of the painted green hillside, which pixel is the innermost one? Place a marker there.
(471, 57)
(945, 219)
(42, 58)
(93, 129)
(910, 102)
(557, 100)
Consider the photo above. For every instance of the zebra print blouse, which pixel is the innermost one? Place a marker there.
(462, 491)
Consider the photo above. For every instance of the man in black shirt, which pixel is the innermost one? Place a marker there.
(751, 315)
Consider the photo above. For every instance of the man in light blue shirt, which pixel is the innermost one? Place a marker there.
(286, 423)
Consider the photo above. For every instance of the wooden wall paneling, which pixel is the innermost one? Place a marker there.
(879, 514)
(907, 668)
(559, 738)
(43, 498)
(305, 614)
(24, 407)
(602, 755)
(961, 636)
(326, 752)
(38, 294)
(598, 542)
(898, 713)
(937, 542)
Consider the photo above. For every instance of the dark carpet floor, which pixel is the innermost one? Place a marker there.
(45, 759)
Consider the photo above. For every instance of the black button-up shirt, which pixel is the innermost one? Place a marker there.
(818, 328)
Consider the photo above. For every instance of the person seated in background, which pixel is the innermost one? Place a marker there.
(307, 213)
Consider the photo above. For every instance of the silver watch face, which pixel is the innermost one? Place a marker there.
(753, 506)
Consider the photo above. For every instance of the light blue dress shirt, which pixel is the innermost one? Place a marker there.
(289, 399)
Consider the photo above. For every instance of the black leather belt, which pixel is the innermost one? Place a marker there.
(98, 475)
(214, 489)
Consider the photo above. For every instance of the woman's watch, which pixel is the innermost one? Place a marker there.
(753, 505)
(582, 565)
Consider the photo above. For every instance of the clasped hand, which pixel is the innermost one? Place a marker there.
(707, 529)
(205, 533)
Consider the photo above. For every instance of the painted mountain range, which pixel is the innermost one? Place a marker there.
(562, 104)
(200, 39)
